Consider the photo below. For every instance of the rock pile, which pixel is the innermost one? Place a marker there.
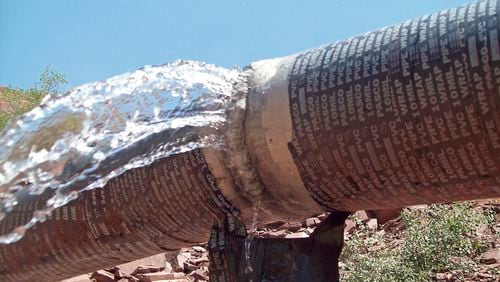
(191, 264)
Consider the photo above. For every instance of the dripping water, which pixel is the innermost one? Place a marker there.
(249, 239)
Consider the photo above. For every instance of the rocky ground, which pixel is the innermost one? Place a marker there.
(366, 238)
(376, 232)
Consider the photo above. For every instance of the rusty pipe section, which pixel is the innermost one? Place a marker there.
(400, 116)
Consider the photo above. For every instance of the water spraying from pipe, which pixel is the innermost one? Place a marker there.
(400, 116)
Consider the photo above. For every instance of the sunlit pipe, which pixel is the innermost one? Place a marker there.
(400, 116)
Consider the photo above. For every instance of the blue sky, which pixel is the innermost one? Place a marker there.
(91, 40)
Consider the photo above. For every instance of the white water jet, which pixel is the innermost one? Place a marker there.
(70, 142)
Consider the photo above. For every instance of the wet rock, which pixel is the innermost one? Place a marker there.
(102, 276)
(158, 276)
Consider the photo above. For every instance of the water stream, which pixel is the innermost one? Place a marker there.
(249, 238)
(80, 139)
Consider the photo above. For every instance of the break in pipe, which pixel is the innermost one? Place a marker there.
(400, 116)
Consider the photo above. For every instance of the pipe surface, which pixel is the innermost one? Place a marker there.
(400, 116)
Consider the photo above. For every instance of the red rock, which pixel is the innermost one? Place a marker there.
(157, 276)
(199, 249)
(119, 274)
(147, 269)
(490, 257)
(362, 215)
(156, 260)
(103, 276)
(199, 261)
(297, 235)
(200, 274)
(79, 278)
(276, 234)
(385, 215)
(372, 224)
(275, 224)
(182, 258)
(322, 216)
(112, 269)
(292, 226)
(190, 267)
(312, 221)
(349, 226)
(168, 267)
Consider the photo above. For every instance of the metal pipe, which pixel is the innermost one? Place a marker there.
(400, 116)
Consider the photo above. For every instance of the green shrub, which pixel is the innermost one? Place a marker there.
(440, 238)
(16, 101)
(440, 233)
(50, 81)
